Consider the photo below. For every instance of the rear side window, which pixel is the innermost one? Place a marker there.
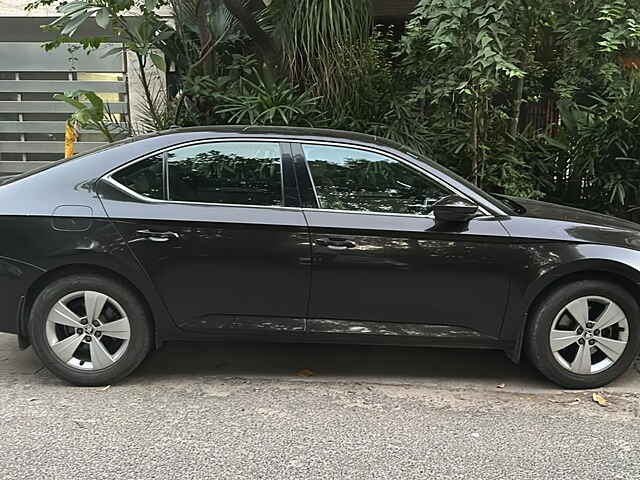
(358, 180)
(144, 177)
(238, 173)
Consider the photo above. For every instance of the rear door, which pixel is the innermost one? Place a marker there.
(218, 227)
(380, 256)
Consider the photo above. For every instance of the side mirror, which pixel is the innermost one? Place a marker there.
(454, 208)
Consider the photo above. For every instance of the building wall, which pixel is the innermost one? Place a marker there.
(392, 9)
(15, 8)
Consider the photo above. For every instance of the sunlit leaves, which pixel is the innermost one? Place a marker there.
(91, 112)
(158, 61)
(103, 18)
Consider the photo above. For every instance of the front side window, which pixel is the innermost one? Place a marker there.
(242, 173)
(144, 177)
(358, 180)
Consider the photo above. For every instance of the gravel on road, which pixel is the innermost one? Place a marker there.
(165, 422)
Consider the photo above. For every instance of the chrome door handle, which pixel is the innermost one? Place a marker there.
(336, 243)
(158, 236)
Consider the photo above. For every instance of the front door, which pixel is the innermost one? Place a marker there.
(379, 255)
(217, 233)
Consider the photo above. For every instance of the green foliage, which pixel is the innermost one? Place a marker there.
(622, 23)
(320, 41)
(535, 98)
(270, 103)
(466, 42)
(460, 52)
(91, 113)
(145, 36)
(598, 152)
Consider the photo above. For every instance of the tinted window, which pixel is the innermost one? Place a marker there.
(144, 177)
(246, 173)
(352, 179)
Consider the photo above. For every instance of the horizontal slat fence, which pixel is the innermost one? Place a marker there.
(51, 107)
(40, 86)
(32, 123)
(35, 127)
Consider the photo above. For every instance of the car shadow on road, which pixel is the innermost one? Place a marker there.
(383, 364)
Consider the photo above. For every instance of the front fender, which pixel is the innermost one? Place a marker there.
(553, 263)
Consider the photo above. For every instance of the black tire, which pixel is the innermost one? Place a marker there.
(537, 343)
(140, 340)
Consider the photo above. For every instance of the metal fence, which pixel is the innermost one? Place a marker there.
(31, 122)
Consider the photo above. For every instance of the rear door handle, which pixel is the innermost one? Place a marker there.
(336, 243)
(158, 236)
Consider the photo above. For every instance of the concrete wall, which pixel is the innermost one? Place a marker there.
(137, 98)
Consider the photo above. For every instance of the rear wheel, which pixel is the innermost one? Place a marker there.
(584, 334)
(89, 330)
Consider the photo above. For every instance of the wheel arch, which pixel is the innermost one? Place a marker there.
(80, 268)
(610, 271)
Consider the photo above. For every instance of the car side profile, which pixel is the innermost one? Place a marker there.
(304, 235)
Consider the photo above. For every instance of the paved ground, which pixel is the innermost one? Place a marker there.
(243, 411)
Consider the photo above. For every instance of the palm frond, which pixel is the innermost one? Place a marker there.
(320, 39)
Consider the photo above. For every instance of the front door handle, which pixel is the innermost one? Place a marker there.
(158, 236)
(336, 243)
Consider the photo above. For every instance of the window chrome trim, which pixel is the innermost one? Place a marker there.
(136, 195)
(382, 153)
(108, 175)
(283, 199)
(313, 182)
(164, 152)
(430, 216)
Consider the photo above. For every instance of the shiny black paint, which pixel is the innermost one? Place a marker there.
(455, 209)
(410, 270)
(223, 261)
(299, 273)
(43, 250)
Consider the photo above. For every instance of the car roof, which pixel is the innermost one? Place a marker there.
(286, 132)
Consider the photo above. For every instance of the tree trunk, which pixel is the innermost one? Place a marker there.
(517, 97)
(147, 92)
(484, 134)
(474, 143)
(204, 34)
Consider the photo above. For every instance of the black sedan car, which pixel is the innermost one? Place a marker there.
(306, 236)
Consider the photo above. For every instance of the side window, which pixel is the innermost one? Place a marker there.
(144, 177)
(245, 173)
(353, 179)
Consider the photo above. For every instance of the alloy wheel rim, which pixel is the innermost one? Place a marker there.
(88, 330)
(589, 335)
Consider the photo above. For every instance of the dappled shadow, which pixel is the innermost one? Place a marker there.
(432, 367)
(384, 364)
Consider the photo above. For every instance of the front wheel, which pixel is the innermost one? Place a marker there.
(89, 330)
(584, 334)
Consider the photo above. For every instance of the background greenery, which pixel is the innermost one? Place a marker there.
(536, 98)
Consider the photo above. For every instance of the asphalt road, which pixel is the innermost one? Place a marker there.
(247, 411)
